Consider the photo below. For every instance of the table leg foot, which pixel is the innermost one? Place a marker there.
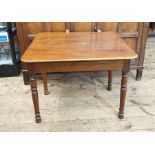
(38, 118)
(120, 114)
(109, 88)
(46, 92)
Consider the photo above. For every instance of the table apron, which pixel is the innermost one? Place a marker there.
(75, 66)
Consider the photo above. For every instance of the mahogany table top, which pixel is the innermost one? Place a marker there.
(77, 46)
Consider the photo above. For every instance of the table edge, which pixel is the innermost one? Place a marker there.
(78, 60)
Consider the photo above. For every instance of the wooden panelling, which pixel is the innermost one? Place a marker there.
(20, 37)
(34, 28)
(132, 42)
(82, 26)
(143, 43)
(107, 26)
(54, 26)
(128, 26)
(27, 28)
(131, 33)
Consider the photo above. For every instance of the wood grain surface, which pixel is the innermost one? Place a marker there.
(77, 46)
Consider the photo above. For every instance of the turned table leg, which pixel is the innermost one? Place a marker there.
(123, 94)
(35, 98)
(44, 77)
(109, 80)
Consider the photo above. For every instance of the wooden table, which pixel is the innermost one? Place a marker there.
(77, 52)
